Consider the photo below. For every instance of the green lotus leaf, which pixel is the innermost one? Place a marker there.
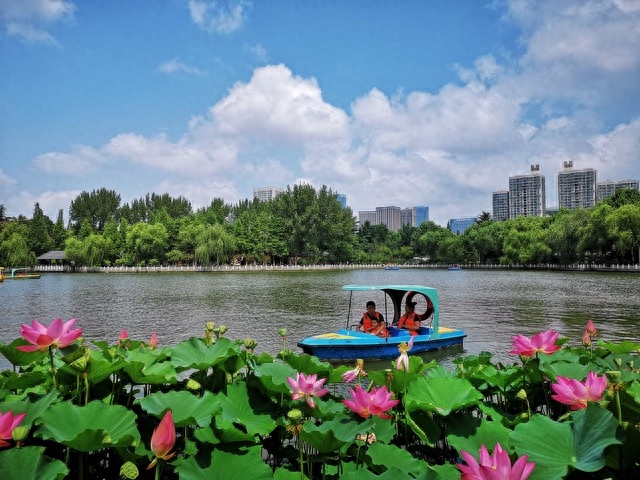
(22, 381)
(441, 395)
(206, 435)
(502, 379)
(237, 409)
(283, 473)
(309, 364)
(88, 428)
(273, 376)
(400, 458)
(594, 429)
(552, 366)
(487, 433)
(330, 436)
(143, 368)
(102, 365)
(193, 353)
(633, 391)
(241, 464)
(622, 347)
(30, 463)
(422, 424)
(33, 410)
(186, 408)
(555, 447)
(18, 357)
(393, 473)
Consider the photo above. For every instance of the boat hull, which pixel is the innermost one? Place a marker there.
(346, 345)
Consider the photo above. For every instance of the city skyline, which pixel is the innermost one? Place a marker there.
(405, 103)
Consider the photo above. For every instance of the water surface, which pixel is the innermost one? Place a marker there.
(491, 306)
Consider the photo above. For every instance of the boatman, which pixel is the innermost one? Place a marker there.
(365, 324)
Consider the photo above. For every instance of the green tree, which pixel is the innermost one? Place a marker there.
(214, 243)
(147, 243)
(624, 225)
(595, 243)
(96, 207)
(39, 239)
(59, 233)
(565, 233)
(96, 250)
(623, 196)
(74, 251)
(15, 252)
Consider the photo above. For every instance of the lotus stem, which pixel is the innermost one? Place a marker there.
(53, 368)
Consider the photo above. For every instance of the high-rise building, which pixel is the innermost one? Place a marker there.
(421, 215)
(501, 205)
(406, 216)
(342, 199)
(527, 195)
(576, 188)
(459, 225)
(607, 188)
(367, 216)
(389, 216)
(265, 194)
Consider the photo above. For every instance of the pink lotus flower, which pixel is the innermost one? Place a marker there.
(123, 339)
(577, 394)
(496, 467)
(153, 341)
(163, 439)
(8, 421)
(543, 342)
(590, 329)
(307, 387)
(351, 375)
(41, 337)
(402, 362)
(376, 402)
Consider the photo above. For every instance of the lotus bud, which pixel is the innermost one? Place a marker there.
(522, 395)
(250, 344)
(153, 341)
(19, 434)
(586, 339)
(123, 339)
(282, 332)
(210, 326)
(294, 415)
(591, 328)
(193, 385)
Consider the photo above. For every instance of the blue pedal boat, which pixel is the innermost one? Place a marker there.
(349, 344)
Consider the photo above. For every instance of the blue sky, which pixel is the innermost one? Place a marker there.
(392, 103)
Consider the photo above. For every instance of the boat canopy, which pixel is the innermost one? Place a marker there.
(397, 293)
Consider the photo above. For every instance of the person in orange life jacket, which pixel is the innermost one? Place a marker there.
(410, 320)
(365, 322)
(378, 329)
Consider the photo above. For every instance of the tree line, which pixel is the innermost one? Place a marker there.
(307, 226)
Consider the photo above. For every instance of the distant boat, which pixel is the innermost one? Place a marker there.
(19, 274)
(391, 267)
(455, 267)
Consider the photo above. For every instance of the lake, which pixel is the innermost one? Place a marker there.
(490, 305)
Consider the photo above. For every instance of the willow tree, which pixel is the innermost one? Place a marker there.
(214, 243)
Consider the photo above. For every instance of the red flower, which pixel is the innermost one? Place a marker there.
(577, 394)
(376, 402)
(7, 423)
(163, 439)
(543, 342)
(496, 467)
(42, 337)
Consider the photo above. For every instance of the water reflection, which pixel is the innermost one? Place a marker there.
(490, 306)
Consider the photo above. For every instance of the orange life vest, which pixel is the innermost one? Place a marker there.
(381, 331)
(366, 321)
(410, 320)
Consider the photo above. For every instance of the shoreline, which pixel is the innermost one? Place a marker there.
(628, 268)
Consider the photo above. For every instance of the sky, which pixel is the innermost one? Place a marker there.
(408, 103)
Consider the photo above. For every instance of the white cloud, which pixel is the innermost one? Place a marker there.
(5, 180)
(174, 65)
(82, 160)
(25, 19)
(225, 16)
(259, 51)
